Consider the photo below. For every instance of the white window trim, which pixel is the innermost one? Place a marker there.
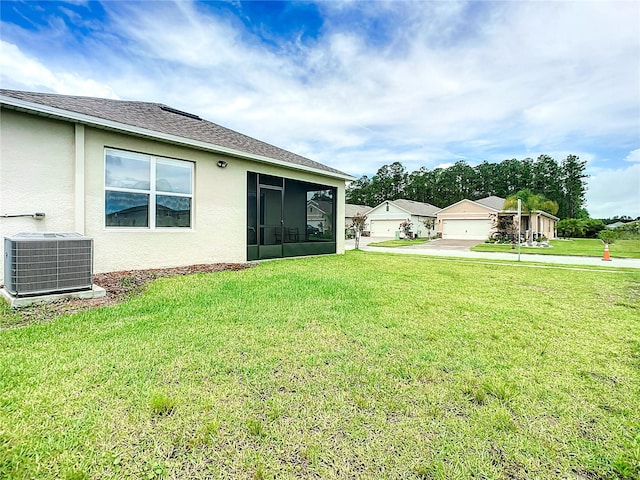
(151, 193)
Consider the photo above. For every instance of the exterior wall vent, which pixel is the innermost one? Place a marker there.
(42, 263)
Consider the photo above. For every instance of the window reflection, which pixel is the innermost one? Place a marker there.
(173, 211)
(126, 209)
(127, 170)
(320, 207)
(173, 176)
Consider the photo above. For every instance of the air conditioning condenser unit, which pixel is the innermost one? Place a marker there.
(44, 263)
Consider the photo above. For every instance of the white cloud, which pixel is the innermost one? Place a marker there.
(633, 156)
(532, 89)
(615, 192)
(22, 72)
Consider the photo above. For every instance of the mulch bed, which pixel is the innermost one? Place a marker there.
(119, 287)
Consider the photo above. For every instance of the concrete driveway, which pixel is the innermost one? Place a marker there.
(451, 245)
(438, 244)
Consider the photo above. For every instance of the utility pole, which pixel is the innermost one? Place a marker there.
(519, 223)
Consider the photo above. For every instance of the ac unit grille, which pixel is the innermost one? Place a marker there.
(48, 263)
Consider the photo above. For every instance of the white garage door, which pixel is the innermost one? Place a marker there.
(385, 228)
(466, 229)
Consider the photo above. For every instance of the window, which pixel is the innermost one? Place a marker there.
(144, 191)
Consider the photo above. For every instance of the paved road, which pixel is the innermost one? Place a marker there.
(460, 248)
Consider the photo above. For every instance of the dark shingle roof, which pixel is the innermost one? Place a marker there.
(160, 118)
(494, 202)
(351, 210)
(417, 208)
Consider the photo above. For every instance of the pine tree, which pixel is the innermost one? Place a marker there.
(574, 186)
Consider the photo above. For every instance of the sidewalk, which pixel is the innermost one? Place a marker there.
(464, 252)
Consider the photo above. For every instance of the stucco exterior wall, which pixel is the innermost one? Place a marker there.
(380, 212)
(419, 228)
(544, 225)
(37, 174)
(463, 210)
(465, 207)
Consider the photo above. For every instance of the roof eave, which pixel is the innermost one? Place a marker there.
(53, 112)
(546, 214)
(420, 214)
(540, 212)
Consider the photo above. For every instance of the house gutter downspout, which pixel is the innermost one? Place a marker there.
(79, 179)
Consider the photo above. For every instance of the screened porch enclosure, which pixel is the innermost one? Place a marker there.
(289, 218)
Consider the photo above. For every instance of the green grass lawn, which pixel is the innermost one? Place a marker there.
(588, 247)
(355, 366)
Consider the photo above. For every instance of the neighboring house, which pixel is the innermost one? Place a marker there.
(615, 225)
(351, 210)
(319, 216)
(472, 220)
(157, 187)
(384, 219)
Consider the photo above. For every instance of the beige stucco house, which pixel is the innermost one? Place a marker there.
(157, 187)
(472, 220)
(384, 220)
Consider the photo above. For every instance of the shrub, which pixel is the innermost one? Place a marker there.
(505, 226)
(592, 227)
(580, 228)
(405, 228)
(607, 236)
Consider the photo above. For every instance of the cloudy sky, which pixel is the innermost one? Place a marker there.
(360, 84)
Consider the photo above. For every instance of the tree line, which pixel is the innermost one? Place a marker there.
(563, 182)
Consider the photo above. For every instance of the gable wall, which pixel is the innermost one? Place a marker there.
(380, 213)
(465, 207)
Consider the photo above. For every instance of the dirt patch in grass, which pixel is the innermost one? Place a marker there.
(119, 286)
